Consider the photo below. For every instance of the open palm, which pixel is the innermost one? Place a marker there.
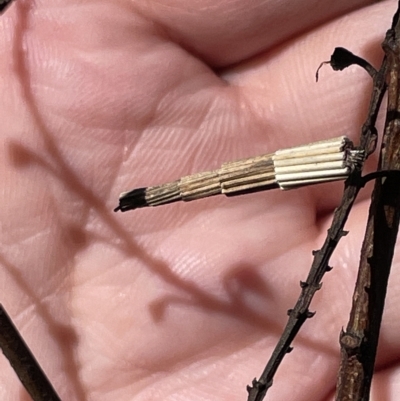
(185, 301)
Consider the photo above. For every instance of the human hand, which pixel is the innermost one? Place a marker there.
(185, 301)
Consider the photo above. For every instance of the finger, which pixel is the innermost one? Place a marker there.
(227, 32)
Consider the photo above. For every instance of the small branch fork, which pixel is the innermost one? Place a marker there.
(378, 245)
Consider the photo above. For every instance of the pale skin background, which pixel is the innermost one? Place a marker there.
(184, 302)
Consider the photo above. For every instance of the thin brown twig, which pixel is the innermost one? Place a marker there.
(320, 265)
(359, 341)
(23, 362)
(4, 4)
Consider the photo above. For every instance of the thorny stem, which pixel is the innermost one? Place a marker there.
(320, 265)
(359, 341)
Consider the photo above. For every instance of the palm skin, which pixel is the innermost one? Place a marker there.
(184, 301)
